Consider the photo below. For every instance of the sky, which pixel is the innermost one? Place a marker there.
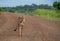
(13, 3)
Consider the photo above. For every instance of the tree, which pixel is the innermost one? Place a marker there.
(56, 5)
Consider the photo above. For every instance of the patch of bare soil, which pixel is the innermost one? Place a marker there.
(35, 28)
(2, 20)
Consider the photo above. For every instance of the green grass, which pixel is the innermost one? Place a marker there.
(49, 14)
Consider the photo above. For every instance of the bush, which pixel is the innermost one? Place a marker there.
(1, 9)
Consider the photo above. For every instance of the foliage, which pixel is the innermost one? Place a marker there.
(1, 9)
(56, 5)
(50, 14)
(42, 10)
(26, 8)
(0, 12)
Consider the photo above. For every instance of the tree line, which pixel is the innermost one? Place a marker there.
(26, 8)
(30, 8)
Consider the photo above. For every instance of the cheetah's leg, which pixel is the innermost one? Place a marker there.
(20, 30)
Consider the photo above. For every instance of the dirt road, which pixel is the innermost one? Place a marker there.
(35, 28)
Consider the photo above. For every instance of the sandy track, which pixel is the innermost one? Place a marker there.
(35, 29)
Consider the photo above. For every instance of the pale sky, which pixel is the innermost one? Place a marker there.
(12, 3)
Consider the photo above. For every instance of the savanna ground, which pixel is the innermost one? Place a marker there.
(35, 28)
